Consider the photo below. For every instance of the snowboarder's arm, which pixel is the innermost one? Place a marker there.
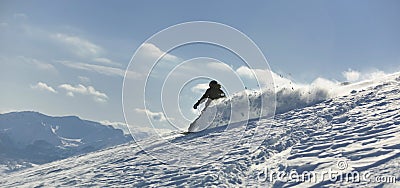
(201, 100)
(206, 95)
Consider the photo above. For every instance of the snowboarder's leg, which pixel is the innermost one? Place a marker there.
(208, 102)
(192, 127)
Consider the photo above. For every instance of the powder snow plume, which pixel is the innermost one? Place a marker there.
(286, 95)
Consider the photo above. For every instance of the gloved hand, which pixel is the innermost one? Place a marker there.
(195, 105)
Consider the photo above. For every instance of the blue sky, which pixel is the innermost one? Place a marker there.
(68, 57)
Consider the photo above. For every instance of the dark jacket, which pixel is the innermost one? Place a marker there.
(214, 92)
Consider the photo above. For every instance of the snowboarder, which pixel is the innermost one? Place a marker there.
(212, 93)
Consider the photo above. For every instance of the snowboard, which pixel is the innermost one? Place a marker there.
(186, 133)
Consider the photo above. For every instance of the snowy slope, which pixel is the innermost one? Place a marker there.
(28, 138)
(358, 132)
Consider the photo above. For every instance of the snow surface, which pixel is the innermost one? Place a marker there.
(356, 132)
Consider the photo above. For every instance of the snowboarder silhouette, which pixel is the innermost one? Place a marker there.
(212, 93)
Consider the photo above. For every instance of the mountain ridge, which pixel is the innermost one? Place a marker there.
(30, 137)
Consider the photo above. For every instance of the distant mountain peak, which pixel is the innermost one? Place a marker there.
(33, 137)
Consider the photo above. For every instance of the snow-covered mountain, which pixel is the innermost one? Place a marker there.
(328, 144)
(32, 137)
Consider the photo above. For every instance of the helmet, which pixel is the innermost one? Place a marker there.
(212, 83)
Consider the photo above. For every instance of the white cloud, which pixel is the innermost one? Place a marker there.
(109, 71)
(260, 74)
(80, 46)
(117, 125)
(38, 64)
(351, 75)
(105, 61)
(146, 57)
(200, 88)
(245, 72)
(90, 52)
(153, 51)
(43, 87)
(83, 90)
(157, 116)
(105, 70)
(77, 89)
(113, 123)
